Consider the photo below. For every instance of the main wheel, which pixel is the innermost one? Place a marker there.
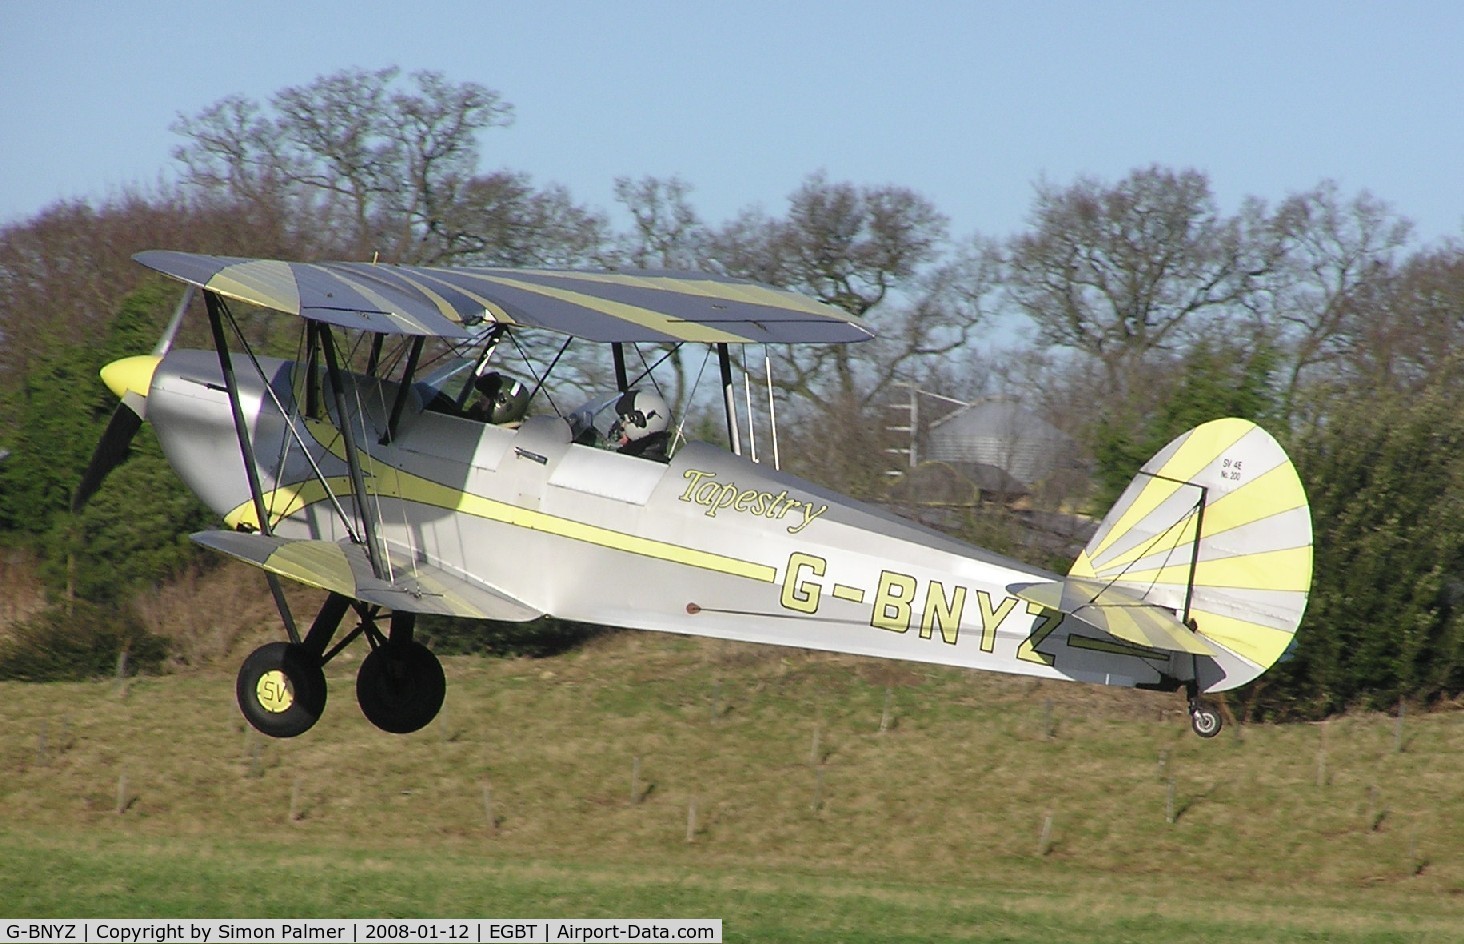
(1205, 719)
(281, 689)
(400, 687)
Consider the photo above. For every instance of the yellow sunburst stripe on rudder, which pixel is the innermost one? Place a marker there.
(1283, 569)
(1272, 493)
(262, 282)
(1276, 491)
(645, 317)
(1262, 645)
(1178, 543)
(1201, 446)
(1153, 494)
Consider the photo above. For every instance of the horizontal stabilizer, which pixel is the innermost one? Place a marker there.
(1116, 612)
(344, 569)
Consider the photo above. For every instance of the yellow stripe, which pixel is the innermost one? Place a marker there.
(1203, 446)
(658, 321)
(1285, 569)
(262, 282)
(1179, 542)
(373, 296)
(1136, 626)
(852, 594)
(444, 307)
(1083, 567)
(708, 288)
(285, 501)
(1116, 647)
(1273, 493)
(494, 310)
(1262, 645)
(315, 564)
(413, 488)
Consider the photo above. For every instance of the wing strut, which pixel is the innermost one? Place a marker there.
(622, 378)
(729, 399)
(353, 460)
(404, 390)
(215, 308)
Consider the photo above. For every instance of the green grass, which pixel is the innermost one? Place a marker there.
(810, 823)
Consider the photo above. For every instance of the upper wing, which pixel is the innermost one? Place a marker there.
(628, 306)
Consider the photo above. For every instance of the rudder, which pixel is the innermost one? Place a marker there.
(1216, 528)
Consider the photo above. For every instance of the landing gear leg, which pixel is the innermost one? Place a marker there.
(400, 685)
(1204, 716)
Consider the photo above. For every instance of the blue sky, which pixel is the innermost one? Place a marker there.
(968, 103)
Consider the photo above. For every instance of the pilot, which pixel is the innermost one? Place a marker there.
(642, 425)
(501, 400)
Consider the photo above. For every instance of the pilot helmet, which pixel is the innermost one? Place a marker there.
(507, 399)
(638, 414)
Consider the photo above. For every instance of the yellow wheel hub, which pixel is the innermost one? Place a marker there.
(274, 692)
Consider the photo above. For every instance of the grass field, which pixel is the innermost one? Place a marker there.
(797, 796)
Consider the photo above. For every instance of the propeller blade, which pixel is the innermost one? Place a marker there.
(129, 379)
(109, 453)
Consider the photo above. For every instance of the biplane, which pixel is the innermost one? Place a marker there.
(360, 469)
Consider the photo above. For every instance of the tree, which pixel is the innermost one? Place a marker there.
(878, 253)
(1404, 326)
(129, 535)
(1332, 255)
(668, 233)
(1215, 378)
(500, 219)
(1121, 272)
(1384, 474)
(386, 168)
(64, 272)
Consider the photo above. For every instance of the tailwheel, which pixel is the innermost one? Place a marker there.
(281, 689)
(400, 686)
(1205, 718)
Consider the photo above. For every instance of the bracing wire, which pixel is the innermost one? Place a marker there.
(290, 425)
(538, 380)
(680, 426)
(1177, 526)
(372, 499)
(650, 367)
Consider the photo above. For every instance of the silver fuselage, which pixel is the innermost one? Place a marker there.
(710, 544)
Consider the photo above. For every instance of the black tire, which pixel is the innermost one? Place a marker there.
(281, 689)
(1205, 719)
(400, 687)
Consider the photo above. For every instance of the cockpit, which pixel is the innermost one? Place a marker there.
(465, 388)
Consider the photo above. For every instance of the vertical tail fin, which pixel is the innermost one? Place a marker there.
(1215, 528)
